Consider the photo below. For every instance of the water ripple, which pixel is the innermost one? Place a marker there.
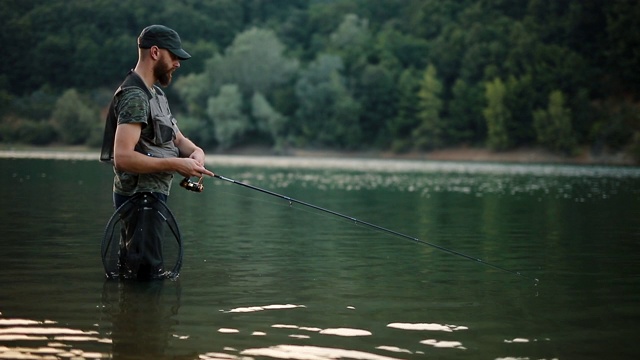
(578, 185)
(46, 341)
(311, 350)
(312, 353)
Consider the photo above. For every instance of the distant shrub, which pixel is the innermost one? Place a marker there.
(37, 133)
(27, 132)
(73, 118)
(553, 125)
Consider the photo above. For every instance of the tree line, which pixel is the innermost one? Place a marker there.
(397, 75)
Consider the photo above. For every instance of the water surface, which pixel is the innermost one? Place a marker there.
(267, 279)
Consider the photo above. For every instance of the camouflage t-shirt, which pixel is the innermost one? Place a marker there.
(156, 139)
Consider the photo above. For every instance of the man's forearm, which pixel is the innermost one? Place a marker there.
(135, 162)
(189, 149)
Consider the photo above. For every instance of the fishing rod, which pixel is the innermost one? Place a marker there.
(199, 188)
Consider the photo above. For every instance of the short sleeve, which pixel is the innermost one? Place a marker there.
(132, 106)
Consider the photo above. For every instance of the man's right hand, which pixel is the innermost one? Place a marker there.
(191, 167)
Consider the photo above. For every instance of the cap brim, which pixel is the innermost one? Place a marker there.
(180, 53)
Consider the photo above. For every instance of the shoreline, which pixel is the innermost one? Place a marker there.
(258, 156)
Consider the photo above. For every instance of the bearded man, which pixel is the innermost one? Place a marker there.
(141, 137)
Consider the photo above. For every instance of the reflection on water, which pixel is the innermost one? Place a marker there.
(265, 279)
(142, 308)
(147, 309)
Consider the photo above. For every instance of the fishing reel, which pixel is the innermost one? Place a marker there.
(192, 186)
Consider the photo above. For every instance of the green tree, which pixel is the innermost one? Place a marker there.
(401, 126)
(73, 118)
(27, 131)
(5, 96)
(376, 93)
(617, 126)
(623, 42)
(352, 34)
(438, 22)
(485, 42)
(323, 19)
(54, 51)
(520, 99)
(553, 125)
(202, 130)
(255, 61)
(225, 110)
(497, 116)
(353, 41)
(215, 21)
(194, 91)
(327, 114)
(393, 48)
(429, 19)
(585, 49)
(200, 52)
(37, 106)
(268, 120)
(430, 131)
(466, 124)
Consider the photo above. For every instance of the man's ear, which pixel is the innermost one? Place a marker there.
(154, 51)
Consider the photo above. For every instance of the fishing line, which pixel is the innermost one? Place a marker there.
(373, 226)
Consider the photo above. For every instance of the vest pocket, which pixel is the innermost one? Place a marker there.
(164, 129)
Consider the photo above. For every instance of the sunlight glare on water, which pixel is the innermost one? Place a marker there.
(323, 353)
(46, 340)
(558, 181)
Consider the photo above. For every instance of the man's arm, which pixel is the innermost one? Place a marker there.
(188, 148)
(125, 157)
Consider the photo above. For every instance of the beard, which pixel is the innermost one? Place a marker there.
(162, 73)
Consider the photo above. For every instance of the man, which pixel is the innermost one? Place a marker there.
(141, 136)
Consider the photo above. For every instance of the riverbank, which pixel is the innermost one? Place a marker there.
(459, 154)
(519, 156)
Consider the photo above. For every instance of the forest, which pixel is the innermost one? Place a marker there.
(391, 75)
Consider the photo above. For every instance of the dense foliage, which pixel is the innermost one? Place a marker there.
(348, 74)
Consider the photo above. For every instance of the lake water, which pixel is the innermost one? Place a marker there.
(266, 279)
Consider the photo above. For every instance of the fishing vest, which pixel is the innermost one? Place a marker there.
(156, 139)
(157, 136)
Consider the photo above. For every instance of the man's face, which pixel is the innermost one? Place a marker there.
(164, 68)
